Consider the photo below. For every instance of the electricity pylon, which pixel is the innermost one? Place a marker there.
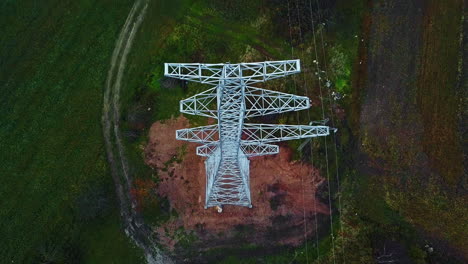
(229, 143)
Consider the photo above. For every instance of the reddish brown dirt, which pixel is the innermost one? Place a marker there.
(275, 179)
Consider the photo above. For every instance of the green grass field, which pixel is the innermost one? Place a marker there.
(54, 57)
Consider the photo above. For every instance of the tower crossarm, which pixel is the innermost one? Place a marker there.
(249, 149)
(196, 72)
(263, 71)
(202, 134)
(201, 104)
(258, 102)
(254, 150)
(207, 149)
(261, 102)
(266, 133)
(252, 72)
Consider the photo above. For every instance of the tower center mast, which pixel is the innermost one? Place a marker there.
(228, 144)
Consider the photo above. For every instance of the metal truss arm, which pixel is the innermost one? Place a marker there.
(264, 102)
(202, 134)
(263, 71)
(251, 72)
(208, 149)
(195, 72)
(259, 102)
(250, 150)
(200, 104)
(266, 133)
(254, 150)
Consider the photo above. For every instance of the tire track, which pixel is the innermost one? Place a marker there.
(134, 226)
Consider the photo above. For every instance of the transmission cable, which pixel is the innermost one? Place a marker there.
(312, 161)
(308, 115)
(318, 72)
(297, 116)
(334, 141)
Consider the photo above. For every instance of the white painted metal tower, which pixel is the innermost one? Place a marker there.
(229, 143)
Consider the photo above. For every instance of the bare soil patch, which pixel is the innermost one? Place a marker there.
(282, 192)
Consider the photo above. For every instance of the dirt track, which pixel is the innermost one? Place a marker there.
(134, 227)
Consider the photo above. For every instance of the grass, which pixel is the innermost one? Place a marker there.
(102, 244)
(54, 57)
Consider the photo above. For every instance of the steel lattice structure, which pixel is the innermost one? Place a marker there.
(229, 143)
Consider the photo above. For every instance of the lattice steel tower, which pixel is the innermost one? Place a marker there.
(229, 143)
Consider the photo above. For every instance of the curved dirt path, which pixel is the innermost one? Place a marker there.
(134, 226)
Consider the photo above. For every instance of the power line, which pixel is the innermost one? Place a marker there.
(311, 155)
(316, 62)
(311, 152)
(308, 111)
(334, 141)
